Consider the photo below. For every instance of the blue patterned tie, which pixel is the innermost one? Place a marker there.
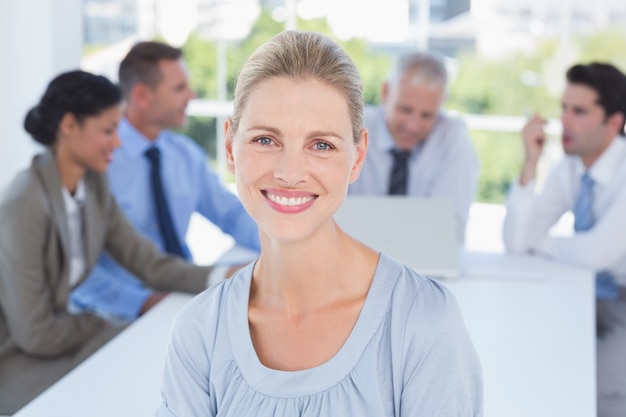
(166, 226)
(399, 172)
(606, 288)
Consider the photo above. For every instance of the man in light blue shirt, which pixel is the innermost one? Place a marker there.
(416, 148)
(155, 84)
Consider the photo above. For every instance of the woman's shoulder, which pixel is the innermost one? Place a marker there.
(206, 309)
(425, 313)
(24, 189)
(418, 293)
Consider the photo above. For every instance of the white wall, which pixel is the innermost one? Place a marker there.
(38, 40)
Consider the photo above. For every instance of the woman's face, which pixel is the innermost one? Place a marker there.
(293, 155)
(91, 142)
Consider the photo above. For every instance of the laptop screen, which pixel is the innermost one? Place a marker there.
(418, 232)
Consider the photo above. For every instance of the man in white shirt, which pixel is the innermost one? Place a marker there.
(416, 148)
(591, 182)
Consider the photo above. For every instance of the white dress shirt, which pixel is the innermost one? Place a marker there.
(530, 216)
(74, 213)
(445, 166)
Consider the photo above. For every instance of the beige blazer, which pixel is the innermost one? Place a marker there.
(34, 259)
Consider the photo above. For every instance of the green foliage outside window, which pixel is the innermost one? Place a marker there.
(517, 84)
(501, 156)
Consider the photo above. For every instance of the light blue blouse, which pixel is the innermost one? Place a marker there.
(409, 354)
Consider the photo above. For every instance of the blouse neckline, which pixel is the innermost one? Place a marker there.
(290, 384)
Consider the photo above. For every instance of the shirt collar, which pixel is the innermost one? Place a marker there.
(73, 203)
(603, 170)
(134, 142)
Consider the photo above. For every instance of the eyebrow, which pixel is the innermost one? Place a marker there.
(261, 127)
(309, 135)
(577, 107)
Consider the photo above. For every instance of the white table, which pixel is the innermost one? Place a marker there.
(121, 379)
(533, 330)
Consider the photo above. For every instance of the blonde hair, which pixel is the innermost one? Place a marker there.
(301, 56)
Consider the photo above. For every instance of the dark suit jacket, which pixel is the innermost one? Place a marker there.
(34, 259)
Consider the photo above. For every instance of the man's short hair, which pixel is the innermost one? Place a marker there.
(607, 81)
(429, 67)
(141, 64)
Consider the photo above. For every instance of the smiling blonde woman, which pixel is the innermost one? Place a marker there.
(320, 324)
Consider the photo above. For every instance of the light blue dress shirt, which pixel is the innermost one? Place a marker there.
(445, 166)
(409, 354)
(190, 186)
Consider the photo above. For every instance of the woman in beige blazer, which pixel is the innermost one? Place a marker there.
(56, 217)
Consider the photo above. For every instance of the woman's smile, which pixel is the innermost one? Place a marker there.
(289, 201)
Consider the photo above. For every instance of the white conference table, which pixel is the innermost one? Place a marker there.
(122, 378)
(534, 332)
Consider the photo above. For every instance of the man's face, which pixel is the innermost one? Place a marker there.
(411, 108)
(169, 99)
(586, 129)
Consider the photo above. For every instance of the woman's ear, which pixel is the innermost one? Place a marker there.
(68, 124)
(228, 144)
(361, 153)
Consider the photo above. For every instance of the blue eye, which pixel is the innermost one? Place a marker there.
(323, 146)
(264, 140)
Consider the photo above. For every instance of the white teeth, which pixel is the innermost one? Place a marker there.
(284, 201)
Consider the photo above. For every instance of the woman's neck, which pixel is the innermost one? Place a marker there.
(70, 172)
(310, 273)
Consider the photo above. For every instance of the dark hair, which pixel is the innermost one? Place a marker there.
(607, 81)
(78, 92)
(141, 64)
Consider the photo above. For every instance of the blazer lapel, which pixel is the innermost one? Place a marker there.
(51, 181)
(94, 219)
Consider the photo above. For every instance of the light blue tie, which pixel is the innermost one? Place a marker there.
(606, 288)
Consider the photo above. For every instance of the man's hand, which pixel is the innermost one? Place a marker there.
(152, 301)
(534, 138)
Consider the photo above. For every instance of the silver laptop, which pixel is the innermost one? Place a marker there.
(418, 232)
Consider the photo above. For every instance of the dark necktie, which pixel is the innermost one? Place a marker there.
(399, 172)
(606, 288)
(166, 226)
